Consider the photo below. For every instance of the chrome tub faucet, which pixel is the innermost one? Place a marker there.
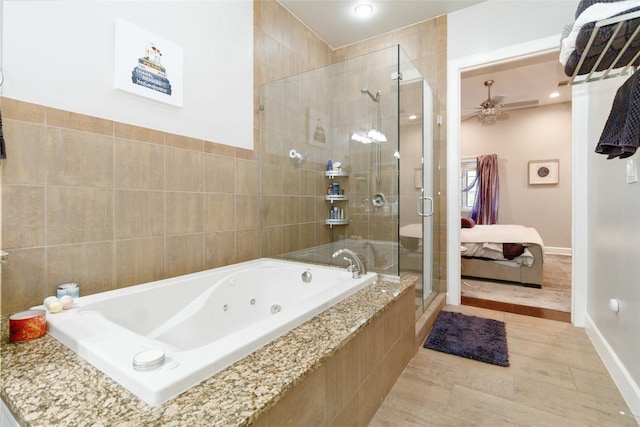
(356, 266)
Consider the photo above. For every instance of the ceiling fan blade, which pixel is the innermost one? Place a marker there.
(497, 99)
(521, 104)
(468, 116)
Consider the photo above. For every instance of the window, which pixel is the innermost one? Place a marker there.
(467, 177)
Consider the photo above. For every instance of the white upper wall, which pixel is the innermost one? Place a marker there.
(498, 23)
(60, 54)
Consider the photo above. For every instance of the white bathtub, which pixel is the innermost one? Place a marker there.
(203, 322)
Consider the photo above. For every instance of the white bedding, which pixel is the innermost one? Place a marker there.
(485, 241)
(493, 251)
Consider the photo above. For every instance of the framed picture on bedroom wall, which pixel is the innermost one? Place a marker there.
(543, 171)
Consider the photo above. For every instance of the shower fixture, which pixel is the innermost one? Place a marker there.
(297, 157)
(374, 134)
(375, 98)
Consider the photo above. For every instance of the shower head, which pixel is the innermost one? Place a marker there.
(375, 98)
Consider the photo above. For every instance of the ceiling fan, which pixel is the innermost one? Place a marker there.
(491, 110)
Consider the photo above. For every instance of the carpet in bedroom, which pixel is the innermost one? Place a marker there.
(554, 295)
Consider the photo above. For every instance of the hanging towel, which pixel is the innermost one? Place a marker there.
(3, 151)
(621, 134)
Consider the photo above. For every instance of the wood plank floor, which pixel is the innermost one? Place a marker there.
(553, 301)
(555, 379)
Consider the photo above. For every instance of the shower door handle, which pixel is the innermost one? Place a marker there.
(420, 204)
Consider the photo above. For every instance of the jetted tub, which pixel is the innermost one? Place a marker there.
(203, 322)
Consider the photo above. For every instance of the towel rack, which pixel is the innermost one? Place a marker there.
(592, 75)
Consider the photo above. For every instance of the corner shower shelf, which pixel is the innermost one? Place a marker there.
(334, 198)
(331, 174)
(332, 222)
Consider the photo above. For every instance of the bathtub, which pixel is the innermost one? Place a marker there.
(201, 322)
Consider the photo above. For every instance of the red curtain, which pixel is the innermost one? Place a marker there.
(485, 209)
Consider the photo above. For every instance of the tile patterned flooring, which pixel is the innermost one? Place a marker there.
(555, 379)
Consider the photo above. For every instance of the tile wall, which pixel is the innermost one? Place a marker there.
(110, 205)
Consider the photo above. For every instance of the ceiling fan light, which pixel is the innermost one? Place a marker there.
(488, 116)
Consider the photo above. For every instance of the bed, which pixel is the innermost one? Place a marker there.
(504, 252)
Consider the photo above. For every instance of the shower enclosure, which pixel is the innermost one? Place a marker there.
(341, 166)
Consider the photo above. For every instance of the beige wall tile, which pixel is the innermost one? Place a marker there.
(23, 216)
(304, 406)
(184, 213)
(307, 236)
(248, 244)
(136, 133)
(24, 111)
(76, 215)
(139, 165)
(91, 265)
(372, 347)
(396, 359)
(184, 254)
(246, 211)
(291, 238)
(184, 142)
(272, 243)
(220, 249)
(370, 395)
(271, 180)
(220, 212)
(219, 149)
(349, 415)
(139, 213)
(271, 210)
(23, 280)
(290, 209)
(139, 261)
(69, 120)
(308, 209)
(177, 163)
(342, 378)
(79, 158)
(25, 145)
(219, 174)
(247, 177)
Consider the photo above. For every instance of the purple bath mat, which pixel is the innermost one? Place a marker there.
(469, 336)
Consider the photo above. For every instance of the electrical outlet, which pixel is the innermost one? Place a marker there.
(632, 170)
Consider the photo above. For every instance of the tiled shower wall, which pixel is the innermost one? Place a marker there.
(110, 205)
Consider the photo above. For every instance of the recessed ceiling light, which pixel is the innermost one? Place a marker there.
(554, 95)
(413, 117)
(363, 10)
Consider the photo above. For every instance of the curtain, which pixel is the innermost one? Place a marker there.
(3, 152)
(485, 208)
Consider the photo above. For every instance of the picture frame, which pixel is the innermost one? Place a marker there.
(146, 64)
(544, 172)
(318, 131)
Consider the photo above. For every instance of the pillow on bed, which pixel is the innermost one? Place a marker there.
(467, 222)
(512, 250)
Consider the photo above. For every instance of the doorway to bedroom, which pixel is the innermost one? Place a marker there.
(519, 110)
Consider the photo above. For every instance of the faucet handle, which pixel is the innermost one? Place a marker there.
(350, 267)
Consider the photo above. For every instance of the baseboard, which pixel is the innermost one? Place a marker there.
(551, 250)
(627, 386)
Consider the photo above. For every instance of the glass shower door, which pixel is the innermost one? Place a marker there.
(418, 172)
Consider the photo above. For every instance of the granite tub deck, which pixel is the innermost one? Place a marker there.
(44, 383)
